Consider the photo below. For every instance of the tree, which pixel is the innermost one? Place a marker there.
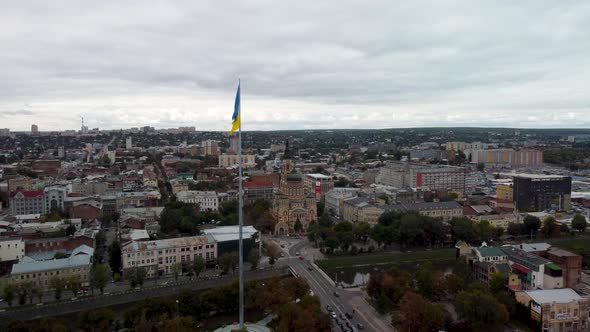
(198, 265)
(253, 258)
(136, 276)
(101, 276)
(532, 224)
(480, 309)
(57, 284)
(420, 315)
(229, 261)
(8, 293)
(176, 270)
(497, 282)
(464, 229)
(425, 280)
(115, 256)
(59, 255)
(298, 227)
(549, 226)
(515, 229)
(96, 320)
(579, 223)
(271, 260)
(22, 291)
(70, 230)
(73, 283)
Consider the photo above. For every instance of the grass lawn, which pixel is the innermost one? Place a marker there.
(437, 255)
(576, 244)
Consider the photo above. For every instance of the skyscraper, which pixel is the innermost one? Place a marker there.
(34, 129)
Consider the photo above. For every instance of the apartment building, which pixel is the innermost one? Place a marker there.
(40, 272)
(158, 256)
(207, 200)
(11, 249)
(570, 263)
(27, 202)
(507, 157)
(335, 198)
(361, 209)
(19, 182)
(504, 191)
(255, 190)
(231, 160)
(210, 147)
(444, 210)
(318, 184)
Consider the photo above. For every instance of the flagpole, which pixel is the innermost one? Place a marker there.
(241, 206)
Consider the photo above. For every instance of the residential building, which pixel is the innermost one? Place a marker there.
(234, 143)
(207, 200)
(54, 244)
(361, 209)
(504, 191)
(11, 249)
(40, 272)
(232, 160)
(149, 177)
(210, 148)
(128, 143)
(255, 190)
(498, 220)
(541, 192)
(179, 185)
(558, 310)
(570, 263)
(19, 183)
(48, 167)
(86, 211)
(34, 129)
(318, 184)
(158, 256)
(334, 200)
(27, 202)
(507, 157)
(444, 210)
(534, 271)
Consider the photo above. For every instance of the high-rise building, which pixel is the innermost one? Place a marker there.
(234, 143)
(4, 132)
(318, 184)
(210, 147)
(128, 143)
(34, 129)
(541, 192)
(507, 157)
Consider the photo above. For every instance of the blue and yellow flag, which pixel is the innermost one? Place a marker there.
(235, 119)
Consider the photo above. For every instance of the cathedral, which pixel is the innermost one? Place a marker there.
(293, 209)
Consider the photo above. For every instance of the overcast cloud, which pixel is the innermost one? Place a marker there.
(303, 64)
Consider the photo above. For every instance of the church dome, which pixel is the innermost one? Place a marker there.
(294, 177)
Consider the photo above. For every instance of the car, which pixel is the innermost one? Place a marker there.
(343, 317)
(334, 315)
(309, 268)
(282, 246)
(349, 315)
(328, 308)
(282, 254)
(301, 257)
(39, 304)
(360, 326)
(336, 294)
(297, 253)
(165, 283)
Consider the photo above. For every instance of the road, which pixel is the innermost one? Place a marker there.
(128, 296)
(344, 302)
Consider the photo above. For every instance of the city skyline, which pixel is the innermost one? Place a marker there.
(457, 64)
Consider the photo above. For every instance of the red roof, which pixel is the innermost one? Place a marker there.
(250, 184)
(520, 268)
(31, 193)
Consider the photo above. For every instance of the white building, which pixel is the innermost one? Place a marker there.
(11, 249)
(158, 256)
(335, 199)
(207, 200)
(128, 143)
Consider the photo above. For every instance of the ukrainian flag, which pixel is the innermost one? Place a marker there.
(235, 119)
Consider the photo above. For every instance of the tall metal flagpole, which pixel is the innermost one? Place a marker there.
(241, 205)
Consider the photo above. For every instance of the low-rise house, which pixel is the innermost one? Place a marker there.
(11, 249)
(534, 271)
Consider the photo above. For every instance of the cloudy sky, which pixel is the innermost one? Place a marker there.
(303, 64)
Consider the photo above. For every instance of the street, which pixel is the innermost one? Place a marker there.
(345, 302)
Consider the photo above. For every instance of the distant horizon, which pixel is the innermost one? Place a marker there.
(306, 129)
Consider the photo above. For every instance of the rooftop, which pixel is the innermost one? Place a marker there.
(490, 251)
(81, 256)
(563, 295)
(318, 176)
(425, 206)
(230, 233)
(168, 243)
(561, 252)
(524, 258)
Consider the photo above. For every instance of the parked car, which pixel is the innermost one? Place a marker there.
(360, 326)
